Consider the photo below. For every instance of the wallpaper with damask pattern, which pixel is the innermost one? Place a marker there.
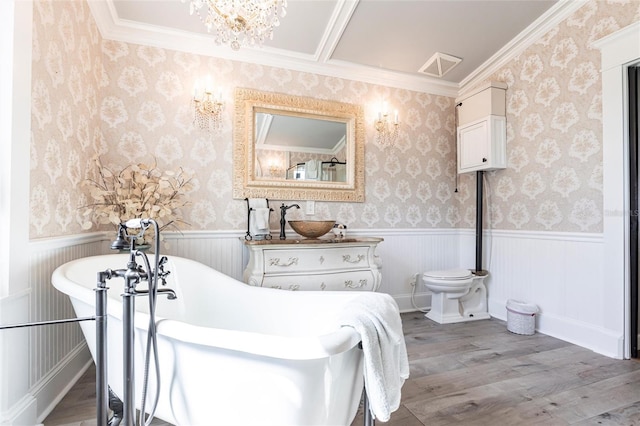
(554, 126)
(67, 80)
(130, 103)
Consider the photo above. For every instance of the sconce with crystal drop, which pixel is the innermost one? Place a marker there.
(207, 107)
(386, 130)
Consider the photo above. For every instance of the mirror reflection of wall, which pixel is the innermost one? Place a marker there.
(300, 148)
(271, 164)
(334, 171)
(319, 169)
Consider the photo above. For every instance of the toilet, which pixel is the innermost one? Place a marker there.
(458, 295)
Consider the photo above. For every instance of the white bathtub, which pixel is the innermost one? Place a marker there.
(230, 354)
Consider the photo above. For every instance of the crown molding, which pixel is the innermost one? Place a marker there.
(552, 17)
(113, 28)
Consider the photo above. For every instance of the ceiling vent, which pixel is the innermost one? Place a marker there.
(439, 64)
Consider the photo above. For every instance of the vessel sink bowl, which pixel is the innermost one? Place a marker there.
(312, 228)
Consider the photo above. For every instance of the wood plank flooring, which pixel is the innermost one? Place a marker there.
(477, 373)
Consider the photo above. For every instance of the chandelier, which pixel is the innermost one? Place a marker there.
(386, 130)
(207, 107)
(240, 22)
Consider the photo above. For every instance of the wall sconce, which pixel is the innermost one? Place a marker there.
(275, 168)
(207, 106)
(386, 130)
(275, 171)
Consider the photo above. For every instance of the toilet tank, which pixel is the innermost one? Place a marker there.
(488, 99)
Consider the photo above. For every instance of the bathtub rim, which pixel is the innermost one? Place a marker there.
(344, 338)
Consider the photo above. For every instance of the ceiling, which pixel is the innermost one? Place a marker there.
(377, 41)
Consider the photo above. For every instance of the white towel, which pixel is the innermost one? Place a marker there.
(259, 216)
(262, 218)
(386, 366)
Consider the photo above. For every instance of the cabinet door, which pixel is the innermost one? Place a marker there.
(473, 146)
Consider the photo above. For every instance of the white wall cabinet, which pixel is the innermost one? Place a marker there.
(482, 144)
(482, 129)
(323, 264)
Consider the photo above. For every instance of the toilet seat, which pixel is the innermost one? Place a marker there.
(454, 282)
(449, 274)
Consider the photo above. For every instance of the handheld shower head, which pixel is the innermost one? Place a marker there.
(121, 242)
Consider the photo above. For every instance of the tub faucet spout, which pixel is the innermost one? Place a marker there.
(171, 294)
(283, 221)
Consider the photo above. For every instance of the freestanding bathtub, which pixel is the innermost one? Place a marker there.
(229, 353)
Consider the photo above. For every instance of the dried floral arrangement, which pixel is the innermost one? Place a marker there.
(136, 191)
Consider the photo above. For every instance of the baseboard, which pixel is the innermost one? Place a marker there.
(55, 385)
(422, 301)
(598, 339)
(22, 413)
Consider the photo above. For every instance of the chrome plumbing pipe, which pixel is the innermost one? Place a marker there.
(102, 385)
(132, 276)
(128, 315)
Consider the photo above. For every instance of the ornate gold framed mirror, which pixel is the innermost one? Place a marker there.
(288, 147)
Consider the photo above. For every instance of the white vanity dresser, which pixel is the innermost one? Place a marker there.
(314, 264)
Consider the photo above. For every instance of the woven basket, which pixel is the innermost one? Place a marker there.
(521, 317)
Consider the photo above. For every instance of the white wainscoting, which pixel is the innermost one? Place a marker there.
(58, 354)
(560, 272)
(403, 252)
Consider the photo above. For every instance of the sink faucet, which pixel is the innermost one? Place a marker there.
(283, 212)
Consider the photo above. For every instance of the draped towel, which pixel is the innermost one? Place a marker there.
(376, 317)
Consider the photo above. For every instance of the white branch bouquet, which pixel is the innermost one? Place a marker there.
(136, 191)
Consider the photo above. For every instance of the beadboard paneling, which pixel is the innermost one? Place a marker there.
(404, 253)
(56, 351)
(221, 250)
(560, 272)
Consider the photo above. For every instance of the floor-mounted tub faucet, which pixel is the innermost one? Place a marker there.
(283, 222)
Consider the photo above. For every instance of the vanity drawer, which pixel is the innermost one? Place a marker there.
(349, 264)
(340, 281)
(330, 259)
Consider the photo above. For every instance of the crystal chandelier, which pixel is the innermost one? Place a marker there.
(240, 22)
(207, 108)
(386, 130)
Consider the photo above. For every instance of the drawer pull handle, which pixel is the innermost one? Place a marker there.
(292, 287)
(276, 262)
(351, 284)
(347, 258)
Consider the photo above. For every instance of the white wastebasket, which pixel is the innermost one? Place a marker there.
(521, 317)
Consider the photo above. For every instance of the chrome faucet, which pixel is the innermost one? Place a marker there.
(283, 222)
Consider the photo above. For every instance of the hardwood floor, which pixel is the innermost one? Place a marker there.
(478, 373)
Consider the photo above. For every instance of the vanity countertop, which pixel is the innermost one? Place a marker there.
(314, 241)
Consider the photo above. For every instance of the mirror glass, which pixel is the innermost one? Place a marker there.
(292, 147)
(300, 148)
